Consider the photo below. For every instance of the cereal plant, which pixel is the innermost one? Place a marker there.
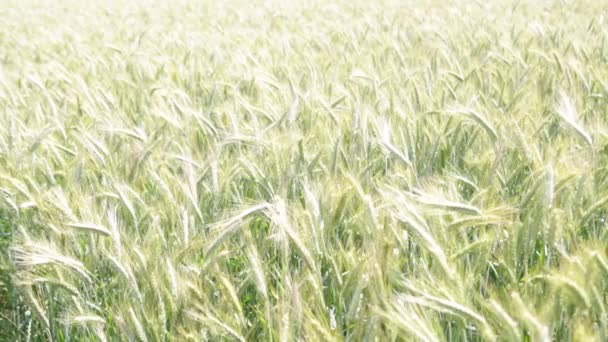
(238, 170)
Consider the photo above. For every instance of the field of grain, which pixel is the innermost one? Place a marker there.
(303, 171)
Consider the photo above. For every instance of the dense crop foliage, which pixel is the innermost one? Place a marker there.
(283, 171)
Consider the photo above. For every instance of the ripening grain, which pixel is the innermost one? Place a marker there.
(303, 170)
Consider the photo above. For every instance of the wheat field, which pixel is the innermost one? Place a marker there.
(303, 171)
